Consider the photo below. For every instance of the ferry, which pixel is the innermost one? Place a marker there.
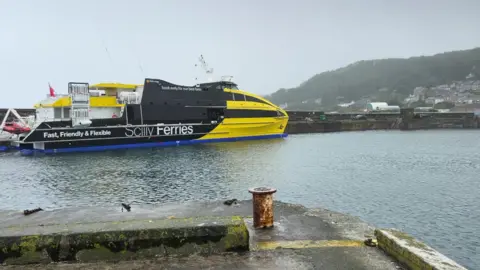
(109, 116)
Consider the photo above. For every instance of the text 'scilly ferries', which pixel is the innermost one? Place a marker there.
(157, 113)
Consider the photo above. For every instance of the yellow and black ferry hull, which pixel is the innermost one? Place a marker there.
(166, 115)
(63, 140)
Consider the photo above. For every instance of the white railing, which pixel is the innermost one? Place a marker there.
(57, 96)
(129, 98)
(14, 112)
(5, 136)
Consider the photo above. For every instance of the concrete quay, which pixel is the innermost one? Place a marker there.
(303, 127)
(319, 122)
(205, 235)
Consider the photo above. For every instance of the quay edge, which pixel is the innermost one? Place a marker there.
(301, 238)
(411, 252)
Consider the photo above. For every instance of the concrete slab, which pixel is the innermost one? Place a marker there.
(282, 259)
(315, 224)
(301, 238)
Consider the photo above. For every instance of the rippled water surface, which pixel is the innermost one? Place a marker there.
(425, 182)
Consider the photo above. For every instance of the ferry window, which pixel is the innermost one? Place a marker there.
(66, 112)
(238, 97)
(230, 86)
(249, 98)
(57, 113)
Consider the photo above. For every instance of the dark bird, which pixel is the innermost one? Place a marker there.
(230, 202)
(126, 206)
(29, 212)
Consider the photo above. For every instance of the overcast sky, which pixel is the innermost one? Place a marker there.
(264, 44)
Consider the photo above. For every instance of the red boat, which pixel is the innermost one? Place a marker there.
(15, 128)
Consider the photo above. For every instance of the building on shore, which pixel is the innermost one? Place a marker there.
(382, 107)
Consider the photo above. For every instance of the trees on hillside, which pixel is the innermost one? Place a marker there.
(365, 78)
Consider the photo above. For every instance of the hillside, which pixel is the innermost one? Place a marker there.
(382, 80)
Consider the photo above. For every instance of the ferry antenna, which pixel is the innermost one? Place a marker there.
(204, 65)
(113, 67)
(109, 56)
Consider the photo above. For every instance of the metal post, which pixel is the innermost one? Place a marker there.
(262, 206)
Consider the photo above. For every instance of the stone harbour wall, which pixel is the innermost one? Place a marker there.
(318, 122)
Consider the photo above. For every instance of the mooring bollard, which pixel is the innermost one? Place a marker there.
(262, 207)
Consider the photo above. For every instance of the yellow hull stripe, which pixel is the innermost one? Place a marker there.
(104, 101)
(114, 86)
(300, 244)
(240, 127)
(248, 105)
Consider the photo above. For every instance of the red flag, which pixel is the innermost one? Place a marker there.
(52, 92)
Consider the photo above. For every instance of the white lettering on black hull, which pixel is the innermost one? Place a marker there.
(180, 88)
(158, 131)
(112, 133)
(76, 134)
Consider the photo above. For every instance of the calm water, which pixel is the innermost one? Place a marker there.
(426, 182)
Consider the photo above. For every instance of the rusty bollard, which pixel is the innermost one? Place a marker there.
(262, 207)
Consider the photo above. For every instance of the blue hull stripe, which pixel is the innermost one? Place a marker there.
(150, 145)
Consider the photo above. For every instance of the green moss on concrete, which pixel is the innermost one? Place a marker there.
(102, 253)
(30, 257)
(409, 239)
(14, 247)
(28, 248)
(411, 252)
(123, 240)
(237, 236)
(29, 243)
